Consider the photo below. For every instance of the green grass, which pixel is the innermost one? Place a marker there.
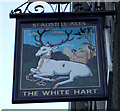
(78, 82)
(30, 61)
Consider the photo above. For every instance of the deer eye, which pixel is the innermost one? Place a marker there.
(44, 49)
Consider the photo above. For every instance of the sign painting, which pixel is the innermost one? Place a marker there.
(59, 61)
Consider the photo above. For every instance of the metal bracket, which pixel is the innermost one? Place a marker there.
(18, 12)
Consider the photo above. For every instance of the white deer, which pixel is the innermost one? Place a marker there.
(64, 69)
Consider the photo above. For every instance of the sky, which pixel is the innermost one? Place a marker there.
(55, 36)
(7, 40)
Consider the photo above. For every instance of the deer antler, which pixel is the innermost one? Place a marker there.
(67, 39)
(40, 37)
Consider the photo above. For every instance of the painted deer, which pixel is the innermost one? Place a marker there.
(64, 69)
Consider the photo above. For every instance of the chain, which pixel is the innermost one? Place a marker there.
(32, 73)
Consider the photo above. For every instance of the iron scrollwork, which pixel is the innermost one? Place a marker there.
(39, 8)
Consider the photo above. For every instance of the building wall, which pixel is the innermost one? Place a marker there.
(114, 86)
(113, 78)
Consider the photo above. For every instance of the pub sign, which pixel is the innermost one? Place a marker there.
(59, 60)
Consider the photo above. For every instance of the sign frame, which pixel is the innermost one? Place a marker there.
(61, 18)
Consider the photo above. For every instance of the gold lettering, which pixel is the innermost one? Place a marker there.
(56, 24)
(76, 23)
(63, 24)
(89, 91)
(95, 90)
(76, 91)
(24, 93)
(72, 24)
(50, 24)
(83, 91)
(42, 25)
(83, 23)
(67, 92)
(53, 92)
(46, 24)
(46, 93)
(57, 92)
(35, 93)
(30, 93)
(79, 23)
(61, 92)
(34, 25)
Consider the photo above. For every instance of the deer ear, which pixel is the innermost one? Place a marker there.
(48, 45)
(55, 47)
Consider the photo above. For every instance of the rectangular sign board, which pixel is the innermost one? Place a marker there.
(59, 60)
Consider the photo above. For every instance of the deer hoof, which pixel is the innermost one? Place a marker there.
(54, 87)
(53, 80)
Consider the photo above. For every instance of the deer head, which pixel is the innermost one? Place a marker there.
(46, 50)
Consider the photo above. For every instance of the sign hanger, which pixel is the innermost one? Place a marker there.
(19, 12)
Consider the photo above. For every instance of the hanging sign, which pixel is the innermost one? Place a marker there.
(59, 60)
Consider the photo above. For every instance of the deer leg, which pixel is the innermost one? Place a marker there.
(45, 75)
(33, 70)
(40, 77)
(59, 78)
(71, 79)
(63, 82)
